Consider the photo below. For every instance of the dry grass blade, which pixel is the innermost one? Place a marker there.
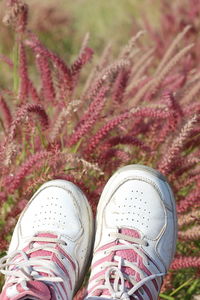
(104, 57)
(105, 76)
(141, 93)
(188, 218)
(89, 166)
(103, 61)
(190, 234)
(84, 43)
(166, 164)
(192, 93)
(171, 49)
(126, 52)
(153, 84)
(140, 62)
(171, 64)
(143, 68)
(61, 119)
(193, 79)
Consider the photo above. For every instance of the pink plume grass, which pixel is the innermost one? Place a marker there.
(33, 93)
(135, 112)
(40, 49)
(120, 86)
(95, 140)
(96, 105)
(192, 234)
(89, 118)
(16, 15)
(60, 122)
(111, 153)
(193, 108)
(185, 262)
(191, 180)
(47, 83)
(105, 76)
(166, 164)
(128, 140)
(3, 197)
(84, 57)
(193, 199)
(13, 182)
(189, 218)
(5, 110)
(23, 112)
(20, 116)
(17, 209)
(184, 164)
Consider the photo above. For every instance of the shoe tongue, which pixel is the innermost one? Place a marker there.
(37, 290)
(129, 255)
(130, 232)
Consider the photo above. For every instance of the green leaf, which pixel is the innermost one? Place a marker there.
(181, 286)
(163, 296)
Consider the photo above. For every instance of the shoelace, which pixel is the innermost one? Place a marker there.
(114, 279)
(23, 268)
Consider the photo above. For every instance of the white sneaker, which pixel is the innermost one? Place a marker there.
(135, 235)
(51, 245)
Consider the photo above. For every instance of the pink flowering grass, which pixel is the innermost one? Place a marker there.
(143, 108)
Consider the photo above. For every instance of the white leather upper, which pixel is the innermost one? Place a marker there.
(55, 210)
(142, 200)
(59, 207)
(138, 198)
(137, 205)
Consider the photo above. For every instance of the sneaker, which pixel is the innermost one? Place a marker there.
(51, 245)
(135, 235)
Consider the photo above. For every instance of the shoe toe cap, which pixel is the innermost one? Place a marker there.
(52, 209)
(138, 205)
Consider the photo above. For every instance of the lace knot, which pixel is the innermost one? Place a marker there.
(120, 295)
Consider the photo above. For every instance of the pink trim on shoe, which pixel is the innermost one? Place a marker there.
(128, 255)
(36, 289)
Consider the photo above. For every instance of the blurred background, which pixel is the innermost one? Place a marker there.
(62, 24)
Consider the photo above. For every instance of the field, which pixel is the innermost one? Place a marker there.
(89, 86)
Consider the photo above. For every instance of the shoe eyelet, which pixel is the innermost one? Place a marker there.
(31, 245)
(147, 244)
